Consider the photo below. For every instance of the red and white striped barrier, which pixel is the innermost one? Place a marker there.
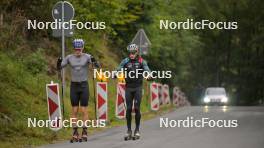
(176, 96)
(160, 94)
(166, 94)
(154, 100)
(101, 103)
(54, 108)
(120, 111)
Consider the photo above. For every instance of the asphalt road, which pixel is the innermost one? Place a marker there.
(248, 134)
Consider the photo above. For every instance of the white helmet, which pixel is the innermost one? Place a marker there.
(132, 48)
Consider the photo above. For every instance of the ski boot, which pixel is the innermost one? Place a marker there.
(128, 135)
(136, 135)
(84, 134)
(75, 135)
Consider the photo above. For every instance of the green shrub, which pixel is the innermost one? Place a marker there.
(36, 62)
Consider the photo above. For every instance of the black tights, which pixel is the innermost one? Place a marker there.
(133, 94)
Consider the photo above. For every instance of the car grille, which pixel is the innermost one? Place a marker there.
(215, 100)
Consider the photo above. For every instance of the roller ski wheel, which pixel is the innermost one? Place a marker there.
(84, 139)
(80, 140)
(128, 136)
(75, 136)
(136, 135)
(74, 139)
(84, 135)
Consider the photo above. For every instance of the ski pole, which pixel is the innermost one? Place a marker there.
(147, 92)
(97, 65)
(60, 71)
(62, 98)
(95, 111)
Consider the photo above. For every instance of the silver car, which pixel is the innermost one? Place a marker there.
(215, 95)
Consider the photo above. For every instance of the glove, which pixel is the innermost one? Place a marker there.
(149, 79)
(93, 59)
(59, 63)
(94, 62)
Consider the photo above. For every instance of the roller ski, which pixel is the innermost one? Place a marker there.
(136, 135)
(75, 136)
(128, 136)
(84, 135)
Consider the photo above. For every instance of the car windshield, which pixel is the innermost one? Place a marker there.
(215, 92)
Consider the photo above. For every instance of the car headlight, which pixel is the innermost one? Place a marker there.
(206, 100)
(224, 99)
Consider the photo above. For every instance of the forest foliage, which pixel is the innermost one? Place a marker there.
(197, 58)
